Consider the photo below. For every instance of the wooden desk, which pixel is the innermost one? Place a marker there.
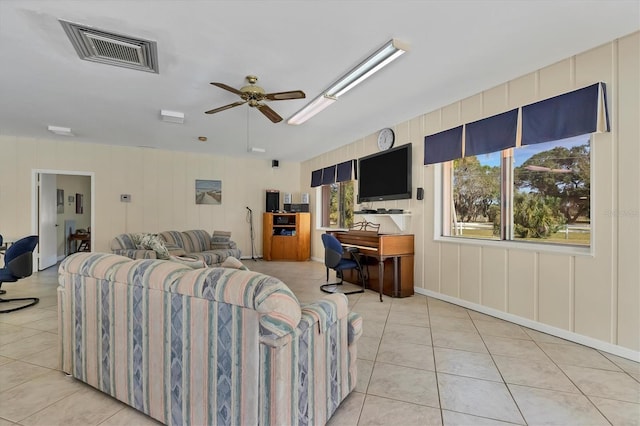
(85, 242)
(395, 249)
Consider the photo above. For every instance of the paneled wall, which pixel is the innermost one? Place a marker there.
(596, 296)
(161, 184)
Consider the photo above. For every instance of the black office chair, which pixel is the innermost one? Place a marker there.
(18, 264)
(334, 259)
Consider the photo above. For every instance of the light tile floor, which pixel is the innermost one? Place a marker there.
(421, 361)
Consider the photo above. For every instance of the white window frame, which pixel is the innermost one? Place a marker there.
(442, 213)
(321, 209)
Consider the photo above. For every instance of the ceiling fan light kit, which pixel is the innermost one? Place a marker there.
(255, 96)
(379, 59)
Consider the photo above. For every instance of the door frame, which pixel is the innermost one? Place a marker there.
(35, 205)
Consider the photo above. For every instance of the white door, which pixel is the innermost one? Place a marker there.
(48, 243)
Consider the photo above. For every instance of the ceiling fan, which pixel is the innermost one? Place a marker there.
(255, 96)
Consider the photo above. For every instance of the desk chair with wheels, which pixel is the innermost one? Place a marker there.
(334, 259)
(18, 264)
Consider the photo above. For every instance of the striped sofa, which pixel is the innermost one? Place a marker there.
(212, 249)
(204, 346)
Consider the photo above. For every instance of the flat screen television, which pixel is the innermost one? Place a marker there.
(385, 175)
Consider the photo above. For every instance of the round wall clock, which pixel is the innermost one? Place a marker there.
(386, 137)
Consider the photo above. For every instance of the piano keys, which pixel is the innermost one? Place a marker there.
(391, 253)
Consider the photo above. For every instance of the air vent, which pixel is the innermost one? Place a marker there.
(110, 48)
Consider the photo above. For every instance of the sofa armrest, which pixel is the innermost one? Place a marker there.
(321, 314)
(136, 253)
(355, 327)
(325, 312)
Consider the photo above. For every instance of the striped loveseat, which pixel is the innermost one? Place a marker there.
(204, 346)
(198, 244)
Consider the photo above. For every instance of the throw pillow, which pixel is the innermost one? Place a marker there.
(220, 240)
(232, 262)
(151, 242)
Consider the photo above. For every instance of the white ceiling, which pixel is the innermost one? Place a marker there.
(457, 49)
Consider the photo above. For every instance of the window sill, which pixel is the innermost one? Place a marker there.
(518, 245)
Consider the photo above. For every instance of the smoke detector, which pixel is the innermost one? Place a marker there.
(110, 48)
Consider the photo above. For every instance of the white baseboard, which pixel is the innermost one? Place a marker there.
(538, 326)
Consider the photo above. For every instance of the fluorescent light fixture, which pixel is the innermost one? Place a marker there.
(255, 149)
(312, 108)
(172, 116)
(380, 58)
(383, 56)
(62, 131)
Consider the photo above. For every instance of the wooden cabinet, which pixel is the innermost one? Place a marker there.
(286, 236)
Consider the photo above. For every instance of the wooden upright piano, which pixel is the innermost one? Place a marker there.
(393, 254)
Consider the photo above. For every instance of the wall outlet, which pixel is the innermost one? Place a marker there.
(125, 198)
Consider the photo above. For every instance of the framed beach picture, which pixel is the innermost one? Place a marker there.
(208, 191)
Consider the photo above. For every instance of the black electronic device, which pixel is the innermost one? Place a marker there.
(296, 208)
(385, 175)
(273, 201)
(395, 211)
(420, 194)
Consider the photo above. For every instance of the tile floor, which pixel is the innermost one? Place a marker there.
(420, 361)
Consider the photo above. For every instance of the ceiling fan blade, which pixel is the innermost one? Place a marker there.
(222, 108)
(283, 96)
(269, 113)
(229, 88)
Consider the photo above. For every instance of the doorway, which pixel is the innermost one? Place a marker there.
(61, 199)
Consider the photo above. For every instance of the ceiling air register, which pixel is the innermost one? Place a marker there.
(110, 48)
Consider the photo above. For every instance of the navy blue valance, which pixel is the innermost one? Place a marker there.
(580, 112)
(345, 171)
(316, 178)
(329, 175)
(575, 113)
(443, 146)
(491, 134)
(337, 173)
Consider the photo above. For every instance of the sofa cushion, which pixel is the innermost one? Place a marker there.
(172, 238)
(123, 242)
(196, 240)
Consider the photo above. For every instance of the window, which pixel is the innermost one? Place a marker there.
(337, 205)
(543, 191)
(476, 196)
